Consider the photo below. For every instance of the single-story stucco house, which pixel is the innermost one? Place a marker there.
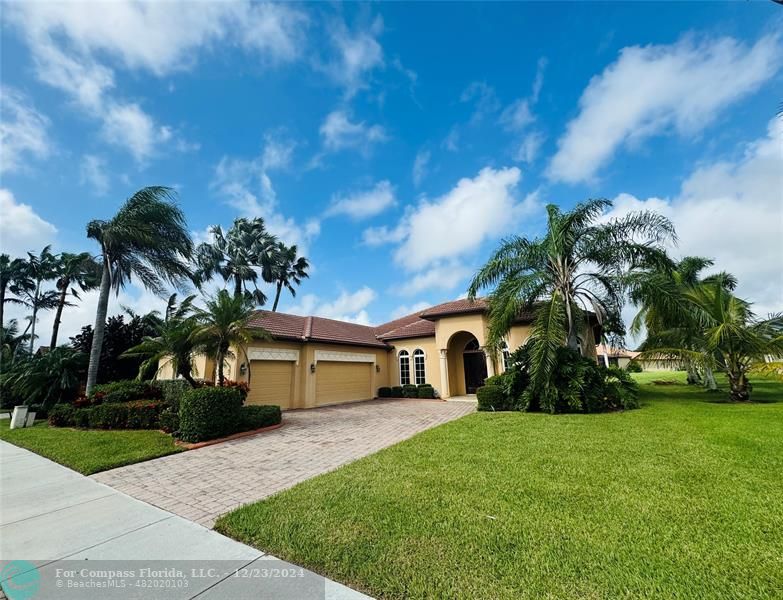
(314, 361)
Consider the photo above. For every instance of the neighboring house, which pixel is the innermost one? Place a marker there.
(614, 357)
(314, 361)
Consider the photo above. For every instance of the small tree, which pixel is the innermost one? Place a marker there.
(287, 271)
(40, 268)
(14, 277)
(74, 273)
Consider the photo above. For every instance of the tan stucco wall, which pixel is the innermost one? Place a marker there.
(431, 360)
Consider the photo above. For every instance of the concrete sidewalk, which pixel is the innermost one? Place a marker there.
(53, 520)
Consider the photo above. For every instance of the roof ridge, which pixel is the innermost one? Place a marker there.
(308, 331)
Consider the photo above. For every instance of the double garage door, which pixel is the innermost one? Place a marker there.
(272, 382)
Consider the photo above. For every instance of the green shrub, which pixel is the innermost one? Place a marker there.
(494, 380)
(136, 414)
(384, 392)
(62, 415)
(81, 417)
(209, 412)
(426, 391)
(256, 417)
(112, 415)
(169, 420)
(410, 391)
(396, 391)
(125, 391)
(40, 411)
(634, 367)
(493, 397)
(172, 390)
(145, 414)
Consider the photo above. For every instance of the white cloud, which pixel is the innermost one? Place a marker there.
(732, 212)
(517, 115)
(348, 306)
(456, 223)
(339, 132)
(128, 126)
(364, 204)
(658, 89)
(277, 153)
(484, 98)
(441, 276)
(408, 309)
(22, 230)
(420, 166)
(378, 236)
(93, 174)
(23, 131)
(528, 148)
(452, 140)
(358, 54)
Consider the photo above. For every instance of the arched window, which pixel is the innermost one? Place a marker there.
(506, 356)
(405, 367)
(418, 366)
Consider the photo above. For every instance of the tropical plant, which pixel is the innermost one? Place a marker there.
(577, 266)
(734, 338)
(287, 271)
(47, 378)
(225, 322)
(74, 273)
(174, 343)
(40, 268)
(237, 255)
(14, 277)
(10, 340)
(148, 239)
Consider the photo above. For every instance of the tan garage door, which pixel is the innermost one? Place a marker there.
(337, 382)
(271, 382)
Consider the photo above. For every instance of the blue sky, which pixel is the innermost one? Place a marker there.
(396, 143)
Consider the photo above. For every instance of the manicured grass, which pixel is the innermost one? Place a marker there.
(90, 451)
(682, 498)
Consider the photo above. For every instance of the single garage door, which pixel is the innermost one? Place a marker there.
(337, 382)
(271, 382)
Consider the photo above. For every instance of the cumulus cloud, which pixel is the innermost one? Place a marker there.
(443, 276)
(363, 204)
(358, 53)
(420, 166)
(23, 131)
(339, 132)
(732, 212)
(348, 306)
(408, 309)
(658, 89)
(22, 230)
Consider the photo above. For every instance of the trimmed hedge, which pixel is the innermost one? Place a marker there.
(256, 417)
(169, 421)
(62, 415)
(125, 391)
(492, 397)
(426, 391)
(209, 412)
(410, 391)
(136, 414)
(384, 392)
(396, 391)
(172, 390)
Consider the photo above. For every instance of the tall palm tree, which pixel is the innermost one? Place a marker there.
(147, 238)
(576, 266)
(74, 272)
(237, 255)
(225, 323)
(14, 277)
(174, 343)
(287, 271)
(40, 268)
(10, 340)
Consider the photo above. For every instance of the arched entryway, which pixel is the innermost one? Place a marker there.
(467, 364)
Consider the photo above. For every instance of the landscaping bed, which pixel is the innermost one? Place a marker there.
(681, 498)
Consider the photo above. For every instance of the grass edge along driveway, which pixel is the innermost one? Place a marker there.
(682, 498)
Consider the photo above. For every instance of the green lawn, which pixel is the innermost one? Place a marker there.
(682, 498)
(90, 451)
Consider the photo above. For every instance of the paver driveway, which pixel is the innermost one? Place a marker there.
(202, 484)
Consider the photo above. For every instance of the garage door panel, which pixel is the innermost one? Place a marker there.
(342, 382)
(271, 382)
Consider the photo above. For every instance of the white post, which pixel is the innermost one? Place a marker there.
(444, 374)
(490, 363)
(19, 417)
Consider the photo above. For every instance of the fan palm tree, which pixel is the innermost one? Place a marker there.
(237, 255)
(173, 345)
(225, 323)
(14, 277)
(74, 272)
(287, 271)
(40, 268)
(147, 238)
(576, 266)
(734, 339)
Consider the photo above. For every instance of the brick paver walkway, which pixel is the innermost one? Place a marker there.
(202, 484)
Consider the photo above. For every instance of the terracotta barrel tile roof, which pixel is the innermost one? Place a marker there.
(316, 329)
(418, 328)
(455, 307)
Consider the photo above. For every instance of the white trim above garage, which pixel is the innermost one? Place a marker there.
(273, 354)
(335, 356)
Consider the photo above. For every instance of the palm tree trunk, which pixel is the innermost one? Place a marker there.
(221, 358)
(693, 376)
(100, 325)
(2, 303)
(277, 295)
(709, 379)
(35, 314)
(237, 286)
(21, 337)
(58, 316)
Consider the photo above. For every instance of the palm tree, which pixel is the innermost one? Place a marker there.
(225, 323)
(10, 340)
(39, 269)
(236, 255)
(174, 343)
(148, 239)
(287, 271)
(576, 266)
(14, 277)
(73, 271)
(734, 339)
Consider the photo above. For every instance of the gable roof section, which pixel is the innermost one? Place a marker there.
(283, 326)
(455, 307)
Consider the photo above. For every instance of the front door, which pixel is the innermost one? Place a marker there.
(475, 370)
